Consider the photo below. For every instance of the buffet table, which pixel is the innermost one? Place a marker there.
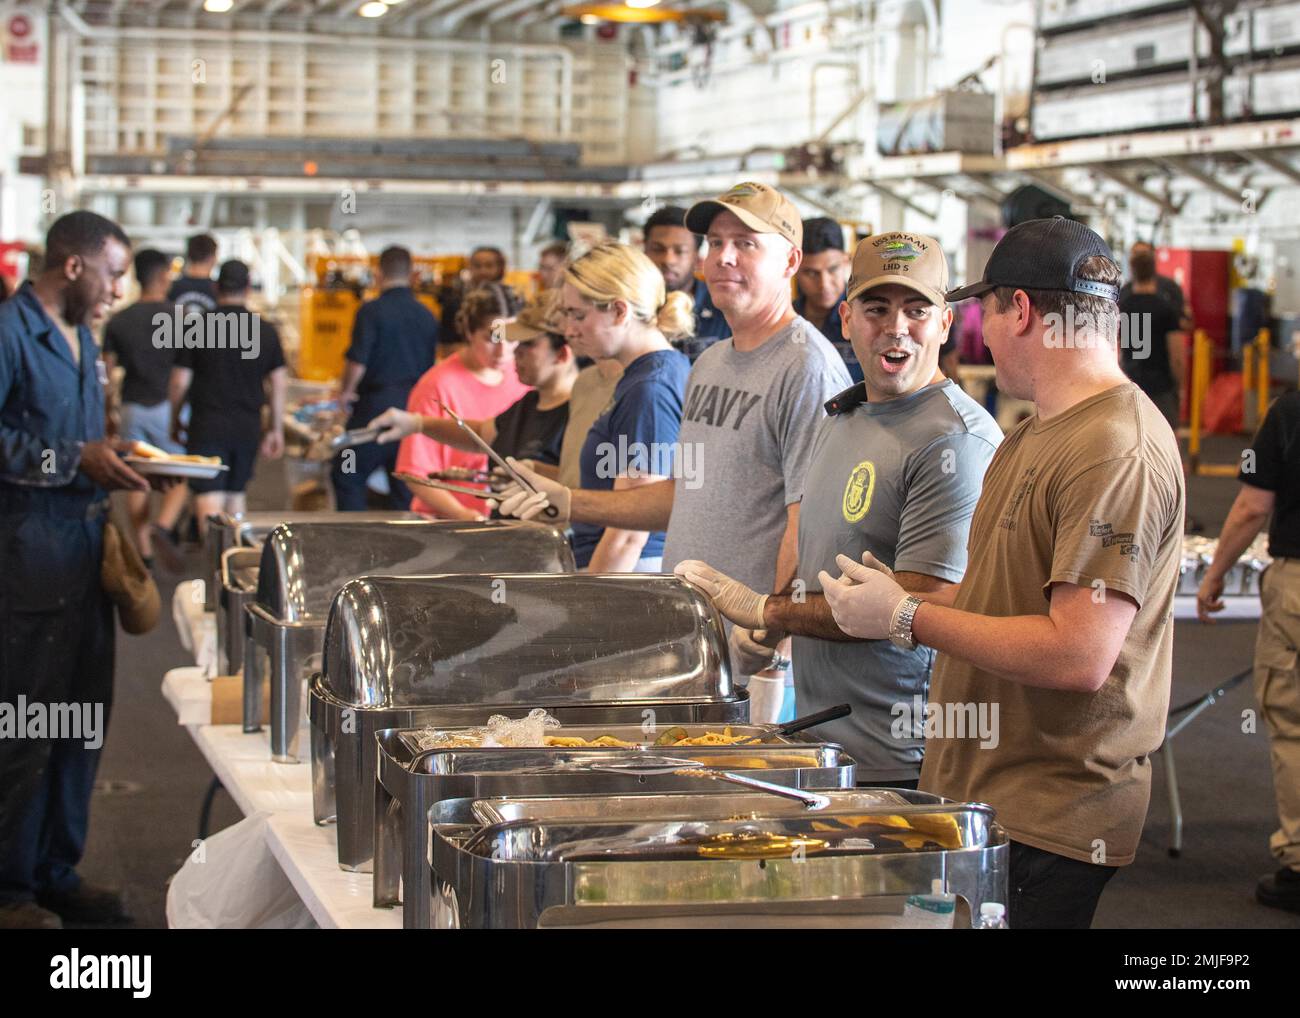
(276, 800)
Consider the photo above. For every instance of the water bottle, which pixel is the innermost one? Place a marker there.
(993, 916)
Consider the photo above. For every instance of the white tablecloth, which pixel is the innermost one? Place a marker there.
(275, 869)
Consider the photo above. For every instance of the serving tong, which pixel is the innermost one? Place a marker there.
(651, 765)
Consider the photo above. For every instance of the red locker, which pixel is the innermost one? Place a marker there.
(1204, 277)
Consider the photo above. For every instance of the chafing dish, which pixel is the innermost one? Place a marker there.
(680, 805)
(405, 652)
(410, 781)
(844, 865)
(1242, 577)
(238, 588)
(305, 564)
(249, 530)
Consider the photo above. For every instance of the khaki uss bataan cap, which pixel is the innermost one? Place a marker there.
(910, 259)
(762, 208)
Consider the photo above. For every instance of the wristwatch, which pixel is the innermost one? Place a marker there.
(900, 629)
(779, 662)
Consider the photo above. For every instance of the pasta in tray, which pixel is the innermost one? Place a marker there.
(539, 729)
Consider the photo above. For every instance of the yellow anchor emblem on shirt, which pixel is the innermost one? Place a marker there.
(858, 492)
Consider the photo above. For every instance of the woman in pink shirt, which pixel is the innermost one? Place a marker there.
(477, 382)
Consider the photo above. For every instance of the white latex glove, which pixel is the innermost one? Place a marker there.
(739, 603)
(871, 562)
(500, 479)
(863, 600)
(397, 425)
(526, 505)
(753, 650)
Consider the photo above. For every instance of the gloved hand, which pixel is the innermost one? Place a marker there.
(863, 600)
(526, 505)
(500, 479)
(397, 425)
(753, 650)
(739, 603)
(871, 562)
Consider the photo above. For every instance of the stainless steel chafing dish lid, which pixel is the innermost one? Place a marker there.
(832, 832)
(678, 806)
(254, 526)
(810, 755)
(509, 639)
(305, 564)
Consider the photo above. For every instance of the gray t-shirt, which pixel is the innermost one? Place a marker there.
(899, 479)
(747, 428)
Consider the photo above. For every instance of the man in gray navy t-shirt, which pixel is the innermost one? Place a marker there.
(753, 405)
(895, 472)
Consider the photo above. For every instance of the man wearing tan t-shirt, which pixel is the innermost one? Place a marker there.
(1061, 630)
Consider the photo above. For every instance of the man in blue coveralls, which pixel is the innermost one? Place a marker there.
(56, 622)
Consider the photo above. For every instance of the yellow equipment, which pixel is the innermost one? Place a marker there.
(344, 282)
(1254, 381)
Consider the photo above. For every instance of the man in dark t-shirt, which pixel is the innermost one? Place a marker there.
(1151, 340)
(1270, 486)
(394, 342)
(675, 250)
(145, 415)
(194, 289)
(1166, 289)
(225, 371)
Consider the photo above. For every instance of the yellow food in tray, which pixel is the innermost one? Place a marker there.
(575, 742)
(723, 738)
(756, 763)
(914, 832)
(672, 737)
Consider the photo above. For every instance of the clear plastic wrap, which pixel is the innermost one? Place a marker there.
(499, 731)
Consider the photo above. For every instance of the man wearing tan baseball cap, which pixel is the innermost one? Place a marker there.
(753, 406)
(895, 473)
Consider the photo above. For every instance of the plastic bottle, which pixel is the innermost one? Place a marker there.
(937, 906)
(993, 916)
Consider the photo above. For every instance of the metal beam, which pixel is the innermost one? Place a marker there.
(1275, 163)
(456, 17)
(512, 8)
(1048, 183)
(902, 200)
(1132, 186)
(1200, 176)
(944, 187)
(816, 203)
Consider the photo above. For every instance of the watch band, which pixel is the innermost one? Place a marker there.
(900, 629)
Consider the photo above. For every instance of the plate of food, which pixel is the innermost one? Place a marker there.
(149, 460)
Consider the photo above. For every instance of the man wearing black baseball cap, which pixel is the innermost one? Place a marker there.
(1063, 619)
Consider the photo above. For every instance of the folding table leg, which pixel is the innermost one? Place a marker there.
(1175, 803)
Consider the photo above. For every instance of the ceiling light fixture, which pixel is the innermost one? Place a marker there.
(374, 9)
(218, 6)
(641, 4)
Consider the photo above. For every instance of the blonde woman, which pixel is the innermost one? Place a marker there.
(613, 305)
